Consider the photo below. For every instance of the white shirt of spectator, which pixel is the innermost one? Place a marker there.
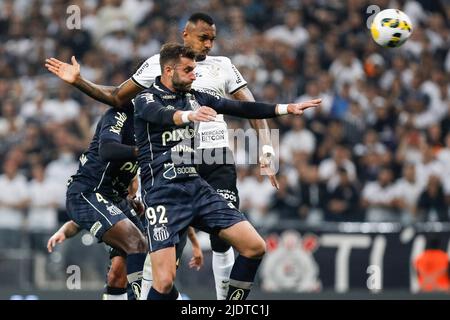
(346, 74)
(61, 111)
(297, 141)
(255, 202)
(215, 75)
(42, 214)
(5, 125)
(328, 172)
(408, 191)
(444, 158)
(12, 192)
(425, 170)
(295, 38)
(58, 172)
(374, 192)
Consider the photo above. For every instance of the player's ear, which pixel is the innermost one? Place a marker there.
(168, 70)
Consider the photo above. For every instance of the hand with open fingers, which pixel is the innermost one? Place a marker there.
(58, 237)
(67, 72)
(203, 114)
(299, 108)
(265, 164)
(197, 258)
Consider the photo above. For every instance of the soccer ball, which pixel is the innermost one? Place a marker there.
(391, 28)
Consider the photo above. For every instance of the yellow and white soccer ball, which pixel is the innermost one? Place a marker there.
(391, 28)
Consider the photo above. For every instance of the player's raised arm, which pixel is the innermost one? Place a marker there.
(113, 96)
(68, 230)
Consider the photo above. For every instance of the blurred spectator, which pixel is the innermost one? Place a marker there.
(433, 205)
(378, 199)
(428, 166)
(313, 194)
(255, 193)
(10, 123)
(63, 108)
(328, 168)
(343, 201)
(346, 69)
(285, 202)
(299, 139)
(42, 215)
(14, 197)
(112, 16)
(59, 170)
(291, 32)
(371, 156)
(407, 192)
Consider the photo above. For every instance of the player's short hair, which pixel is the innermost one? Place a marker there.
(172, 52)
(200, 16)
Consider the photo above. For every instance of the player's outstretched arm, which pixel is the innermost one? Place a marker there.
(68, 230)
(243, 109)
(197, 254)
(257, 110)
(114, 96)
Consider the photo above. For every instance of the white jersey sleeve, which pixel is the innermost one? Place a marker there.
(147, 72)
(233, 78)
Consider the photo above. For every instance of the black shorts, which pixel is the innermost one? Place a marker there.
(95, 212)
(222, 177)
(173, 206)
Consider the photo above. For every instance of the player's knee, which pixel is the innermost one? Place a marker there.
(164, 282)
(255, 249)
(260, 249)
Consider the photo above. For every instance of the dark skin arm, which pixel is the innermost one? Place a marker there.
(68, 230)
(262, 128)
(114, 96)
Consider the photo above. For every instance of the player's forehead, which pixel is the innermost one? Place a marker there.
(186, 63)
(201, 28)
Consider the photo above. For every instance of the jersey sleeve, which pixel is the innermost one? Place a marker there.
(242, 109)
(234, 81)
(147, 72)
(112, 126)
(149, 109)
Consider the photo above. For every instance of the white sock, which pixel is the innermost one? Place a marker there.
(179, 296)
(147, 278)
(222, 264)
(123, 296)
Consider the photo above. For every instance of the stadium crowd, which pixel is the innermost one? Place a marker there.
(378, 149)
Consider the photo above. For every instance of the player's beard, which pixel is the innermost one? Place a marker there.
(200, 57)
(179, 85)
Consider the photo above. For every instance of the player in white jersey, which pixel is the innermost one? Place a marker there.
(216, 75)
